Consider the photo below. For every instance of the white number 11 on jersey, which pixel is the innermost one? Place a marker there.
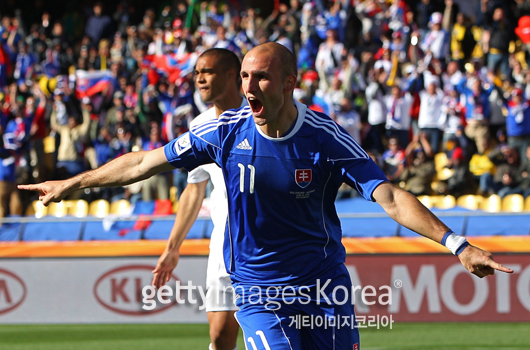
(242, 171)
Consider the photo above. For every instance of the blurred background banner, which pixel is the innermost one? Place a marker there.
(424, 287)
(437, 288)
(106, 290)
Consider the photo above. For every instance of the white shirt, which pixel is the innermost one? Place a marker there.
(376, 106)
(324, 62)
(351, 122)
(430, 109)
(400, 119)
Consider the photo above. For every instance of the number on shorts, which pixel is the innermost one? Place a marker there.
(263, 340)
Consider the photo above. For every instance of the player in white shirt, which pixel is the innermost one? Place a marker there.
(217, 80)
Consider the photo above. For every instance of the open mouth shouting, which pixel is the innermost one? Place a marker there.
(255, 105)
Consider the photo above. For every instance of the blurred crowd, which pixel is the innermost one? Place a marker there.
(436, 93)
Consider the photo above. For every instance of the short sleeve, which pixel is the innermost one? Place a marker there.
(187, 152)
(363, 175)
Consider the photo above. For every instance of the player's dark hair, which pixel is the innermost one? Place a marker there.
(227, 60)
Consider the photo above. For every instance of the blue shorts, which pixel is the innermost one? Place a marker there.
(303, 321)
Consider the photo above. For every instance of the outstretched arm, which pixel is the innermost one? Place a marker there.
(125, 170)
(409, 212)
(189, 206)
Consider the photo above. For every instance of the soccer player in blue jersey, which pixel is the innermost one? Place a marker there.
(218, 82)
(283, 165)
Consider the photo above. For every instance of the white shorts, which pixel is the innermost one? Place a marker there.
(220, 293)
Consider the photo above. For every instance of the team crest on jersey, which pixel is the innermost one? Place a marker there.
(356, 346)
(303, 177)
(183, 144)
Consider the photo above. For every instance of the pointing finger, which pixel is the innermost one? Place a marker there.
(499, 267)
(29, 187)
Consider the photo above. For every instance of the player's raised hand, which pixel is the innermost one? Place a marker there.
(166, 264)
(480, 262)
(49, 191)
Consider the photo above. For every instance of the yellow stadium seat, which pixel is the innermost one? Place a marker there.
(469, 201)
(513, 203)
(444, 174)
(426, 201)
(445, 202)
(173, 191)
(99, 208)
(49, 144)
(440, 161)
(37, 209)
(527, 204)
(120, 207)
(58, 209)
(78, 208)
(492, 204)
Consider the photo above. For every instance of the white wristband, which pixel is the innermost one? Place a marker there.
(453, 242)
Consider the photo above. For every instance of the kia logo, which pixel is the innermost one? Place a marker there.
(12, 291)
(120, 290)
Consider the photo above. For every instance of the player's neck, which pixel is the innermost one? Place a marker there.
(231, 101)
(283, 123)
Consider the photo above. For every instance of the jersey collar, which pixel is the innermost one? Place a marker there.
(297, 124)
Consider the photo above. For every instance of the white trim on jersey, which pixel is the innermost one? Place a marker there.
(283, 331)
(324, 217)
(302, 109)
(343, 138)
(210, 126)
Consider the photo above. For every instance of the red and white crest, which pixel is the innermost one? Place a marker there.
(303, 177)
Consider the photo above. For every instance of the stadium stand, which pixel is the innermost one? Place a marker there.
(99, 208)
(491, 204)
(512, 203)
(77, 208)
(37, 209)
(469, 201)
(117, 86)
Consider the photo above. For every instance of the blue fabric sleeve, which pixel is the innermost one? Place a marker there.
(364, 175)
(187, 152)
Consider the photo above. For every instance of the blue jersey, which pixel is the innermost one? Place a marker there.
(282, 227)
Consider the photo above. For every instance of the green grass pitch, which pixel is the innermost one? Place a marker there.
(417, 336)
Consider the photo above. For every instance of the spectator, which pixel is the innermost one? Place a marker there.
(424, 11)
(483, 169)
(375, 96)
(394, 160)
(506, 176)
(461, 182)
(436, 41)
(72, 139)
(477, 110)
(419, 174)
(451, 118)
(98, 25)
(328, 57)
(518, 121)
(430, 116)
(398, 114)
(501, 33)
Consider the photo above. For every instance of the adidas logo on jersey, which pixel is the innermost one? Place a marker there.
(244, 145)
